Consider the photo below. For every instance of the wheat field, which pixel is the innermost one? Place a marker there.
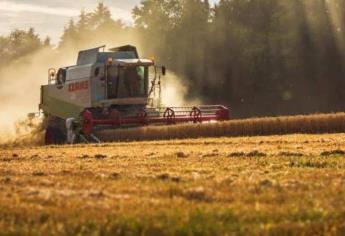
(31, 132)
(265, 185)
(303, 124)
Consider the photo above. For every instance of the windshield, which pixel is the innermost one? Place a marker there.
(133, 81)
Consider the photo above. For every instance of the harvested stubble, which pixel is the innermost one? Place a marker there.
(303, 124)
(265, 185)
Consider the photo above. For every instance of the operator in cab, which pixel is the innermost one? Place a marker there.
(134, 81)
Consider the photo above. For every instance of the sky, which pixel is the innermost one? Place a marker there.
(49, 17)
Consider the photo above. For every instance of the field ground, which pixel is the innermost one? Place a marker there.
(277, 185)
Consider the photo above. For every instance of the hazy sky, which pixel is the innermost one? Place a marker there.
(49, 17)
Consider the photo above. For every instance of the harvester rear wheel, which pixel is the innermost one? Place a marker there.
(54, 132)
(49, 137)
(53, 136)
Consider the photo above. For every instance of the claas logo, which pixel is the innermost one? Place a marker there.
(83, 85)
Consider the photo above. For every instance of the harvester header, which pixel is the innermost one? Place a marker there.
(111, 89)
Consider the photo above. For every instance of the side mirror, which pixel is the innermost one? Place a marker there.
(163, 70)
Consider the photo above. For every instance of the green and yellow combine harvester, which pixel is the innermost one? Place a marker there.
(109, 90)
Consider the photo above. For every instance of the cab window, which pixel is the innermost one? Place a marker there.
(133, 81)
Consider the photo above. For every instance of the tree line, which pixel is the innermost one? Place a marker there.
(260, 57)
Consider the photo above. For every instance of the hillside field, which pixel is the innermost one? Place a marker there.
(264, 185)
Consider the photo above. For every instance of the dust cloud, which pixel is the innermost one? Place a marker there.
(20, 88)
(174, 91)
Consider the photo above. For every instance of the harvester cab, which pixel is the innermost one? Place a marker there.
(110, 89)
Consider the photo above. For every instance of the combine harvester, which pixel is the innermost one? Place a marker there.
(107, 90)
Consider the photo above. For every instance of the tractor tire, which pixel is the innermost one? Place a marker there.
(55, 131)
(54, 136)
(49, 136)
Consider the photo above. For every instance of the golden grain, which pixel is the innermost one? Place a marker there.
(246, 185)
(303, 124)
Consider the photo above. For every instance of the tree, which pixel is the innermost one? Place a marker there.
(100, 17)
(92, 29)
(46, 42)
(69, 36)
(155, 20)
(83, 24)
(17, 44)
